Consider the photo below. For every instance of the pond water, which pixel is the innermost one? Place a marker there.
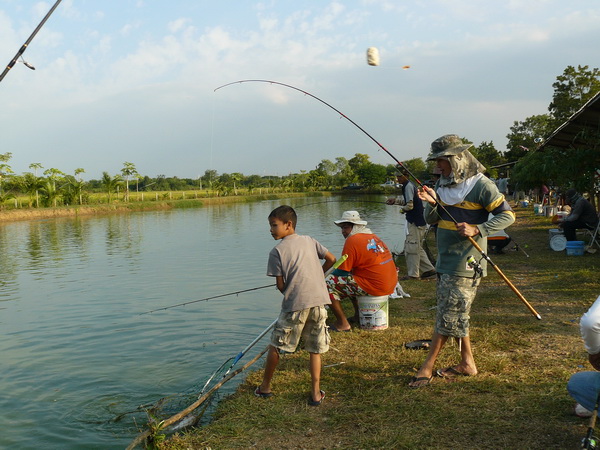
(77, 350)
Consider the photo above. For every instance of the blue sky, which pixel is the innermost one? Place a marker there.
(134, 80)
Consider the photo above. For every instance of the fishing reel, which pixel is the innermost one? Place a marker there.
(477, 269)
(590, 442)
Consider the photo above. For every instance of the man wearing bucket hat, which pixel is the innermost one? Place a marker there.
(418, 265)
(368, 270)
(467, 197)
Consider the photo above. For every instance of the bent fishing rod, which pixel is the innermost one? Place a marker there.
(409, 172)
(27, 42)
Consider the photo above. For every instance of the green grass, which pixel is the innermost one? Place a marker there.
(518, 400)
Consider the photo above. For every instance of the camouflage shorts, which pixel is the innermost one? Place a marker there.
(308, 324)
(343, 287)
(454, 298)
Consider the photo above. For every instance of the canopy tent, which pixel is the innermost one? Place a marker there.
(581, 130)
(572, 133)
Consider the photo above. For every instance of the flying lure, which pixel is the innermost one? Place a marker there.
(372, 56)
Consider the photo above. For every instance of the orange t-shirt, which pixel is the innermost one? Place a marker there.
(371, 264)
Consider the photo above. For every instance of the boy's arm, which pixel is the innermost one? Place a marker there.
(330, 259)
(280, 283)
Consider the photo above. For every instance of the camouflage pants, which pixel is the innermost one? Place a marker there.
(454, 298)
(341, 288)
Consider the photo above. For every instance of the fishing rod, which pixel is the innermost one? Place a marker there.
(409, 172)
(590, 441)
(208, 298)
(179, 416)
(24, 46)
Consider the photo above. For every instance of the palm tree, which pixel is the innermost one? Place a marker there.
(31, 184)
(127, 171)
(53, 175)
(4, 168)
(78, 186)
(49, 192)
(3, 197)
(35, 167)
(110, 184)
(75, 188)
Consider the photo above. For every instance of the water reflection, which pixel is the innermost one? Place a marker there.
(75, 349)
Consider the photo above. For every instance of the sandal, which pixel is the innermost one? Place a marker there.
(427, 381)
(260, 394)
(312, 402)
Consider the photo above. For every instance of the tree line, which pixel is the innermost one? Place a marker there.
(552, 167)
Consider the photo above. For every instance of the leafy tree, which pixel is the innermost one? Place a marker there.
(487, 155)
(572, 90)
(357, 161)
(417, 167)
(210, 175)
(523, 135)
(371, 174)
(236, 177)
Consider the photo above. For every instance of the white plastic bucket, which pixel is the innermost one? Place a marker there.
(373, 312)
(558, 241)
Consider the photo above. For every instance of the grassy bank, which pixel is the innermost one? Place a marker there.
(518, 400)
(136, 206)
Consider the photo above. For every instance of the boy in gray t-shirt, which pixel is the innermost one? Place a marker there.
(299, 275)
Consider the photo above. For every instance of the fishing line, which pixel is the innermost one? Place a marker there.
(409, 172)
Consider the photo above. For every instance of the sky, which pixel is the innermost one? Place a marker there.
(134, 80)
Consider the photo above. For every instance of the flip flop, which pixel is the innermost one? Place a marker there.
(418, 379)
(312, 402)
(418, 345)
(333, 328)
(450, 372)
(260, 394)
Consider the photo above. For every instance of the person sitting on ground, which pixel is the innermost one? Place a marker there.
(584, 387)
(368, 270)
(582, 215)
(418, 265)
(294, 263)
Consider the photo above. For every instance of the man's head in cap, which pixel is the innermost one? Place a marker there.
(454, 160)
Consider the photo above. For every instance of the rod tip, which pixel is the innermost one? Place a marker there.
(538, 317)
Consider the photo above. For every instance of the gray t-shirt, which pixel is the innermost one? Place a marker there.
(297, 259)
